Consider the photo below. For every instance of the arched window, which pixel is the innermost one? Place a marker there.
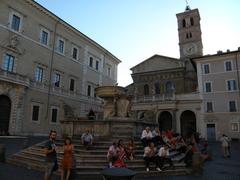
(157, 88)
(191, 21)
(169, 87)
(146, 89)
(183, 23)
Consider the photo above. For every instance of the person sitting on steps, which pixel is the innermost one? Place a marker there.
(87, 139)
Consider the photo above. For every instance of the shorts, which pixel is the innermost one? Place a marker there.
(48, 168)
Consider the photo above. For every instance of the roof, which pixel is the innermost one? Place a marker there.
(215, 55)
(154, 56)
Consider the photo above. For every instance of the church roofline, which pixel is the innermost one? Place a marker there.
(67, 25)
(156, 55)
(161, 70)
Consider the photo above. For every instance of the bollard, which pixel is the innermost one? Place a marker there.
(2, 152)
(197, 163)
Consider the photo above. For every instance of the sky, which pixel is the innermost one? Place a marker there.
(134, 30)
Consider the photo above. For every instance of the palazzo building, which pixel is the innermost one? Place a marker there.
(46, 65)
(218, 80)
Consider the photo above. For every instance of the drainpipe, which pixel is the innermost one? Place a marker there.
(238, 77)
(51, 70)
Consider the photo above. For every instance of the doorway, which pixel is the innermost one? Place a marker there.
(5, 110)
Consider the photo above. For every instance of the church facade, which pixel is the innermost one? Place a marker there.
(195, 92)
(164, 89)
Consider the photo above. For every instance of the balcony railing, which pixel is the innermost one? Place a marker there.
(14, 78)
(166, 97)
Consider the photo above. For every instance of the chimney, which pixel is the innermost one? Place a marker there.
(228, 50)
(219, 52)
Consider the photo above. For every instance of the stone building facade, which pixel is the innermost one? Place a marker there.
(47, 66)
(218, 80)
(164, 89)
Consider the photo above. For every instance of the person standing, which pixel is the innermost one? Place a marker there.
(225, 145)
(51, 155)
(67, 161)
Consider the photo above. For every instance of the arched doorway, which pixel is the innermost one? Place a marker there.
(165, 121)
(188, 122)
(5, 110)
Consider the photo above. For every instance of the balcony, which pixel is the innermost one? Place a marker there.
(166, 97)
(14, 78)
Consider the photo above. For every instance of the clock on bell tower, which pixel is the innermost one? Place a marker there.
(189, 33)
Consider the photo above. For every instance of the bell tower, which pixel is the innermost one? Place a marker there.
(189, 33)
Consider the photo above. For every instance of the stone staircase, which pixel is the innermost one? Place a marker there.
(90, 163)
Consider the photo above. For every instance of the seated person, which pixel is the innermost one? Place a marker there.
(121, 155)
(146, 137)
(91, 115)
(163, 156)
(112, 154)
(157, 137)
(87, 139)
(130, 149)
(149, 156)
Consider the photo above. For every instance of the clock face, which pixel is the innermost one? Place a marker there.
(190, 49)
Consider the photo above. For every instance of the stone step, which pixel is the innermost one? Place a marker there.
(92, 162)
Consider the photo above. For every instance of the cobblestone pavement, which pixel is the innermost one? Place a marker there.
(218, 168)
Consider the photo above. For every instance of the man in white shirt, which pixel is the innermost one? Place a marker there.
(163, 156)
(146, 137)
(87, 139)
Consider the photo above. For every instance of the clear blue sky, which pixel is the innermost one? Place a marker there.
(134, 30)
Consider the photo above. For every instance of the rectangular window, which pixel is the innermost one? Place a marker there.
(35, 113)
(39, 74)
(206, 69)
(57, 78)
(8, 63)
(208, 87)
(15, 23)
(91, 61)
(231, 85)
(54, 115)
(75, 53)
(109, 71)
(232, 106)
(61, 46)
(72, 84)
(209, 107)
(44, 37)
(97, 65)
(235, 127)
(89, 90)
(228, 65)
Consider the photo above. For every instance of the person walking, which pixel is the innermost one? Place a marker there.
(67, 161)
(51, 155)
(225, 145)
